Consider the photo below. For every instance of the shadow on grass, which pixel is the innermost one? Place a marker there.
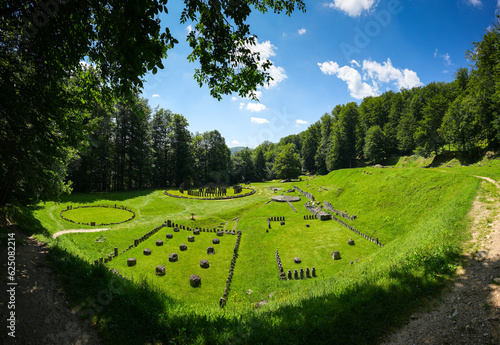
(136, 313)
(88, 198)
(463, 158)
(24, 218)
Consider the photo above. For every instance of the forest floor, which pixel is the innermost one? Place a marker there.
(467, 313)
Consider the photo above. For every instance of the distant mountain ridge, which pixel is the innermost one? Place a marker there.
(236, 149)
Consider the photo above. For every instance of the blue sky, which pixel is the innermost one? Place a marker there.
(339, 51)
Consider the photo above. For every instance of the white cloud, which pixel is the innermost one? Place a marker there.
(446, 57)
(301, 122)
(259, 120)
(375, 73)
(357, 88)
(353, 8)
(387, 73)
(242, 105)
(302, 31)
(475, 3)
(235, 142)
(156, 95)
(257, 94)
(189, 28)
(255, 107)
(354, 62)
(278, 74)
(267, 50)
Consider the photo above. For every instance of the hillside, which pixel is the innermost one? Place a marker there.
(420, 216)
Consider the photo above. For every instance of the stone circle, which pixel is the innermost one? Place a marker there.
(297, 260)
(196, 231)
(131, 262)
(190, 238)
(336, 255)
(350, 242)
(176, 229)
(146, 251)
(183, 247)
(159, 243)
(93, 223)
(195, 280)
(220, 233)
(210, 251)
(170, 236)
(215, 241)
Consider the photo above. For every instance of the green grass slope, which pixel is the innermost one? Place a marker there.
(420, 215)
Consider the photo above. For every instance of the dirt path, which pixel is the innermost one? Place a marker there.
(71, 231)
(42, 313)
(468, 312)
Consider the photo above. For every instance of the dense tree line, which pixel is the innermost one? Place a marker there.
(156, 149)
(134, 147)
(54, 112)
(463, 116)
(50, 104)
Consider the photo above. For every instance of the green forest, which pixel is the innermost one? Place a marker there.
(76, 133)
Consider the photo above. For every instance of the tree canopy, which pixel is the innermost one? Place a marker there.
(49, 97)
(287, 163)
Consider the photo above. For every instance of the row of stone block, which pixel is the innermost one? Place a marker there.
(330, 208)
(223, 299)
(136, 243)
(369, 238)
(278, 261)
(299, 274)
(306, 194)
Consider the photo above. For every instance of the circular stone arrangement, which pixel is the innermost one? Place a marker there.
(239, 195)
(94, 223)
(285, 198)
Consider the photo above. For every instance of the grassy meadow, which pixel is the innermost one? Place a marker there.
(420, 215)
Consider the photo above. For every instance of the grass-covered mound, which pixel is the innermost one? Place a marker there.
(419, 214)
